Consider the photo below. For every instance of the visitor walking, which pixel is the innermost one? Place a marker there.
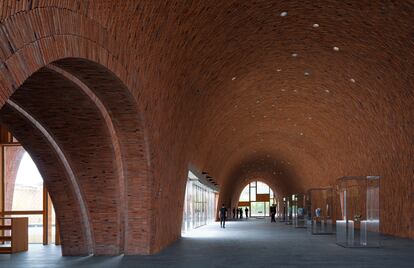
(241, 213)
(223, 215)
(247, 212)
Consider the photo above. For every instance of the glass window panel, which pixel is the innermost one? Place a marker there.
(244, 196)
(262, 188)
(28, 187)
(253, 194)
(257, 209)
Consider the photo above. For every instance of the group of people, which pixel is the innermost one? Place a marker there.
(239, 215)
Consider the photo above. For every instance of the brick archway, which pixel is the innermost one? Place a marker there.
(74, 59)
(93, 115)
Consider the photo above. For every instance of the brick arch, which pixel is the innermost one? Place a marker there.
(42, 50)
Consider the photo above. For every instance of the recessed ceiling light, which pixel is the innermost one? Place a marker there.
(283, 89)
(257, 101)
(234, 78)
(295, 90)
(352, 80)
(336, 48)
(306, 73)
(279, 70)
(283, 14)
(315, 25)
(327, 90)
(294, 54)
(301, 133)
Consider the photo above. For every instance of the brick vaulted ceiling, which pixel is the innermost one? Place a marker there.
(297, 92)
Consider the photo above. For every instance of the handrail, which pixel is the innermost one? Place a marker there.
(22, 212)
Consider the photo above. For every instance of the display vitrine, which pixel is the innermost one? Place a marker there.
(319, 203)
(360, 222)
(289, 210)
(282, 210)
(299, 210)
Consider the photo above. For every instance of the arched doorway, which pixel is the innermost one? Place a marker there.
(257, 196)
(25, 194)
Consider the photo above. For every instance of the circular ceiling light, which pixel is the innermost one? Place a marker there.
(352, 80)
(294, 54)
(336, 48)
(315, 25)
(234, 78)
(283, 14)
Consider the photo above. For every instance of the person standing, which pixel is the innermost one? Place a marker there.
(273, 213)
(247, 212)
(223, 215)
(234, 213)
(241, 213)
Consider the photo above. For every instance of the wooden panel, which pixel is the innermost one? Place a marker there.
(262, 198)
(20, 237)
(244, 204)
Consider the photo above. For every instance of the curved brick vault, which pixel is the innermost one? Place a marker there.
(230, 87)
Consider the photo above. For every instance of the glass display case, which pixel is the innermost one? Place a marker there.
(281, 210)
(289, 210)
(299, 210)
(320, 206)
(360, 222)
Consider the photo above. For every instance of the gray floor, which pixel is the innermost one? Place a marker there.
(253, 243)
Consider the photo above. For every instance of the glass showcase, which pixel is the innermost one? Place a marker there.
(299, 210)
(319, 203)
(289, 210)
(360, 222)
(282, 210)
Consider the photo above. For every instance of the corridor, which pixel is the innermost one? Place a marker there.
(246, 243)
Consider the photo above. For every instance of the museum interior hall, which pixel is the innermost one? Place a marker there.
(265, 133)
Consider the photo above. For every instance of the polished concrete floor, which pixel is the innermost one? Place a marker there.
(252, 243)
